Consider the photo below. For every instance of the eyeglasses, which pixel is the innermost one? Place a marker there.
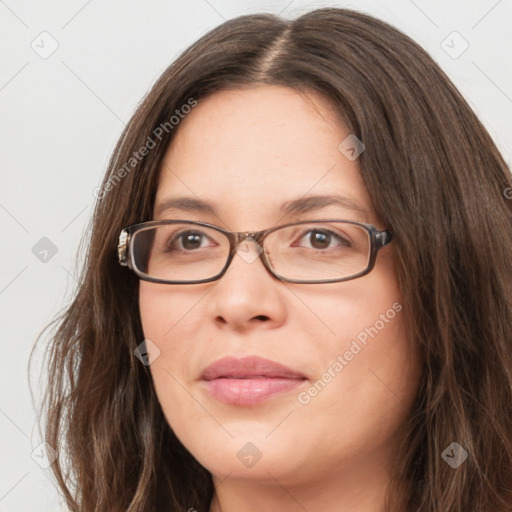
(190, 252)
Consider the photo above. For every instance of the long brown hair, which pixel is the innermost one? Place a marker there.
(435, 178)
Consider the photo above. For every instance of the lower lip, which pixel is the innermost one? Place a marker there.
(250, 391)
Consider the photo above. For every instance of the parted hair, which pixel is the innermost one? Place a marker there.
(435, 178)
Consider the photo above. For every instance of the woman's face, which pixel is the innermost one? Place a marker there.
(248, 153)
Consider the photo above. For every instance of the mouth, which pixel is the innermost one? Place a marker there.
(249, 380)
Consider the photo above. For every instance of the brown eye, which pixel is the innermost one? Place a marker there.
(187, 241)
(323, 239)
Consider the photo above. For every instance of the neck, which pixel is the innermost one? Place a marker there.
(346, 489)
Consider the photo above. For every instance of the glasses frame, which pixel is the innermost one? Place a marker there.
(125, 253)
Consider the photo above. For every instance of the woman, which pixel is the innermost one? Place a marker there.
(350, 347)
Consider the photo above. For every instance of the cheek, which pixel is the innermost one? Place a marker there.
(366, 368)
(362, 309)
(151, 311)
(364, 351)
(166, 321)
(164, 310)
(367, 376)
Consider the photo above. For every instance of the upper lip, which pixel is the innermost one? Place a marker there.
(248, 367)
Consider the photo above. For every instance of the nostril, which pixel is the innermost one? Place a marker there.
(261, 317)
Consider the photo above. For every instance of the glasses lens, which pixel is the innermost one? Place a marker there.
(180, 252)
(317, 251)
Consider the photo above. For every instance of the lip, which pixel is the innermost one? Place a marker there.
(249, 380)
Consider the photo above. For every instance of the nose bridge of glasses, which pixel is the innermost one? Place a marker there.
(248, 237)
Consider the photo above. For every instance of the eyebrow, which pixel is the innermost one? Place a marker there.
(297, 206)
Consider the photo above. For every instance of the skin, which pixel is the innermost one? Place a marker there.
(334, 452)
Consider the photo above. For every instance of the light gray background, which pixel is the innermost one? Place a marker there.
(62, 115)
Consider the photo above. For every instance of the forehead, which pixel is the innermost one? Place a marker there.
(248, 151)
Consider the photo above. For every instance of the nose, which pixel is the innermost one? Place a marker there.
(248, 296)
